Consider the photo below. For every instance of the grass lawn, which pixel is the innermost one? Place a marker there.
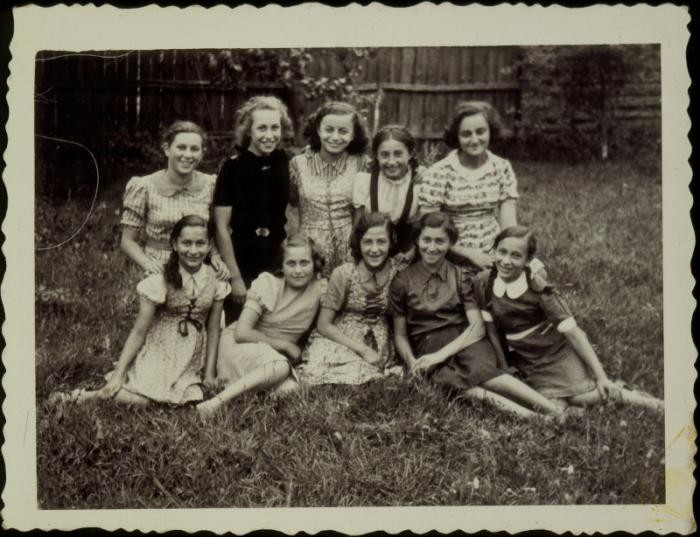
(399, 442)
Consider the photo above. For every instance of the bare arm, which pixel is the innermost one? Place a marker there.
(357, 214)
(133, 344)
(222, 220)
(213, 335)
(507, 213)
(403, 345)
(133, 249)
(245, 332)
(495, 340)
(327, 329)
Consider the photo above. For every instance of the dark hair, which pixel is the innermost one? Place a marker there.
(366, 222)
(435, 219)
(360, 139)
(299, 240)
(518, 232)
(179, 127)
(172, 270)
(400, 134)
(244, 118)
(471, 108)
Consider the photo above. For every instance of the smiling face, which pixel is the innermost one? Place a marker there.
(393, 158)
(474, 135)
(336, 131)
(184, 152)
(433, 244)
(511, 257)
(374, 247)
(265, 131)
(192, 246)
(298, 266)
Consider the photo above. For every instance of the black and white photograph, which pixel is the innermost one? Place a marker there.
(322, 271)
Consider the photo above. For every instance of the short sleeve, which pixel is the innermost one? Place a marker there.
(466, 291)
(431, 189)
(360, 190)
(222, 290)
(294, 178)
(551, 302)
(508, 184)
(153, 288)
(223, 188)
(262, 295)
(337, 288)
(397, 295)
(479, 283)
(135, 203)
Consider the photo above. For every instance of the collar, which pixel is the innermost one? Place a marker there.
(395, 183)
(424, 274)
(168, 189)
(380, 277)
(337, 166)
(514, 289)
(453, 159)
(198, 278)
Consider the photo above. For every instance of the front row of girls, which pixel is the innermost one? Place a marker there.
(446, 325)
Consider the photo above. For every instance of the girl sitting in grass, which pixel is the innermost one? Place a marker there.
(352, 344)
(544, 341)
(177, 329)
(255, 352)
(438, 328)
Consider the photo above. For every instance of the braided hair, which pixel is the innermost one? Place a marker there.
(400, 134)
(518, 232)
(172, 266)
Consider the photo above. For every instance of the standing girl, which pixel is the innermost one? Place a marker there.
(255, 352)
(389, 187)
(438, 329)
(154, 203)
(352, 345)
(251, 195)
(321, 178)
(545, 343)
(476, 188)
(176, 332)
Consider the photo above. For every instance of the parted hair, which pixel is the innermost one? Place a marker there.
(244, 118)
(366, 222)
(299, 240)
(471, 108)
(435, 219)
(180, 126)
(519, 232)
(360, 139)
(172, 267)
(400, 134)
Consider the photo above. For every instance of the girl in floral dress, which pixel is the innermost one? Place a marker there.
(544, 341)
(258, 350)
(176, 333)
(153, 203)
(352, 343)
(321, 178)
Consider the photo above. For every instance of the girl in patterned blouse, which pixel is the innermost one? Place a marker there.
(176, 333)
(476, 188)
(322, 176)
(544, 341)
(153, 203)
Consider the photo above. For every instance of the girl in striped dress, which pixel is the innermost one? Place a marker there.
(322, 176)
(154, 203)
(544, 342)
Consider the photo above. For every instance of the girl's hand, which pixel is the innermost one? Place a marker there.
(238, 290)
(114, 384)
(292, 350)
(151, 266)
(423, 364)
(607, 389)
(369, 355)
(481, 260)
(222, 271)
(210, 381)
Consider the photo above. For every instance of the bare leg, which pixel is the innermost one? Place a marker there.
(480, 394)
(82, 396)
(287, 387)
(629, 397)
(512, 388)
(263, 377)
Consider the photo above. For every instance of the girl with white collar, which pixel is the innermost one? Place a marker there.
(544, 341)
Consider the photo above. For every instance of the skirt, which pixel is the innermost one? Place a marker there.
(468, 368)
(564, 377)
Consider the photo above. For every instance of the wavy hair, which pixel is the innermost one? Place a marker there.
(299, 240)
(244, 119)
(360, 139)
(366, 222)
(472, 108)
(435, 219)
(180, 126)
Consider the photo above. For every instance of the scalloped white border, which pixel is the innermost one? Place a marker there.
(81, 28)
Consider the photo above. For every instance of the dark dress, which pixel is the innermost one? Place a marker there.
(257, 190)
(434, 304)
